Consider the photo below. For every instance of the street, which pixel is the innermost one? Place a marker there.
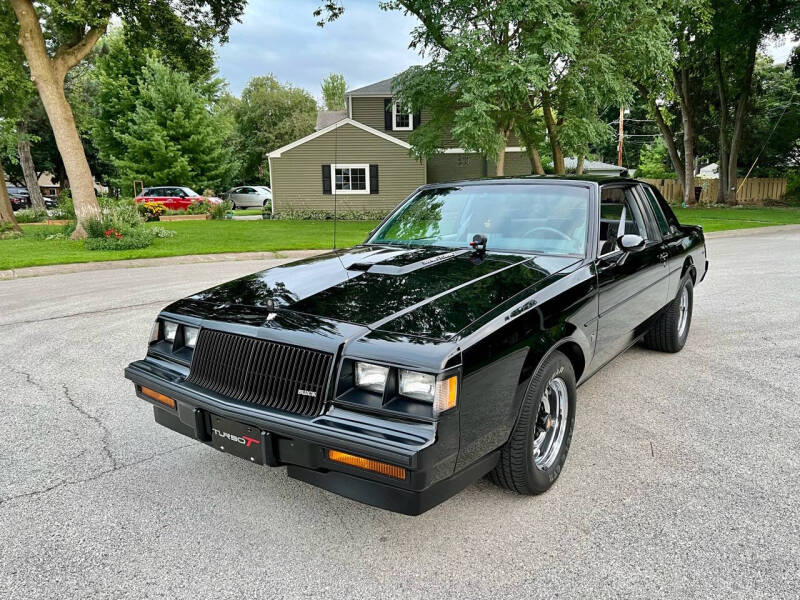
(683, 478)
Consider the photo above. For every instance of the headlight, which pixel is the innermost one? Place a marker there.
(170, 329)
(190, 336)
(419, 386)
(441, 394)
(371, 377)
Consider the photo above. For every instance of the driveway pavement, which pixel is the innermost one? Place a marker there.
(683, 479)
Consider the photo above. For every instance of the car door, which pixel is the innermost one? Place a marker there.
(672, 239)
(236, 197)
(632, 286)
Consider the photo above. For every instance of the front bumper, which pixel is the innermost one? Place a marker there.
(427, 451)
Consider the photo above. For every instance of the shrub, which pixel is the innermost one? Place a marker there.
(151, 211)
(217, 211)
(324, 215)
(66, 208)
(114, 239)
(29, 215)
(161, 232)
(120, 214)
(7, 232)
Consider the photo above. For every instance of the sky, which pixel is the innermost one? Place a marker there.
(366, 44)
(281, 37)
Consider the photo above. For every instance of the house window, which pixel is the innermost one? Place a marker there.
(402, 119)
(350, 179)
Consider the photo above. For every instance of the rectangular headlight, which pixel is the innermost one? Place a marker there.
(371, 377)
(419, 386)
(170, 329)
(190, 336)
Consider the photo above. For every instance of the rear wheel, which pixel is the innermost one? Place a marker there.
(670, 331)
(534, 455)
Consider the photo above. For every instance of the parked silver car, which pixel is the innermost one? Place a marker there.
(250, 196)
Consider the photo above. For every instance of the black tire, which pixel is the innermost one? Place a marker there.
(518, 470)
(666, 334)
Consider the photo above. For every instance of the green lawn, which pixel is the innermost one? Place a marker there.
(210, 237)
(194, 237)
(721, 219)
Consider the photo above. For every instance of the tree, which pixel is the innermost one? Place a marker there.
(14, 89)
(333, 91)
(679, 84)
(56, 35)
(654, 161)
(771, 139)
(112, 95)
(738, 31)
(270, 115)
(510, 66)
(172, 134)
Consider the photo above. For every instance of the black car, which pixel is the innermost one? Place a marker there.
(19, 196)
(447, 346)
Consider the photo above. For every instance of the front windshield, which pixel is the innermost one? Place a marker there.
(543, 218)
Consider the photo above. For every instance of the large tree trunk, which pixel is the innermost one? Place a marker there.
(501, 158)
(552, 134)
(722, 159)
(28, 168)
(666, 132)
(682, 87)
(536, 160)
(48, 74)
(6, 212)
(738, 124)
(579, 168)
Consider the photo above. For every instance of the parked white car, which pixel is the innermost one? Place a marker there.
(250, 196)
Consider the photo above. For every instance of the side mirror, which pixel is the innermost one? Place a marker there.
(630, 242)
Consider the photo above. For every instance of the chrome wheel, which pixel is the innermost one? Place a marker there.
(683, 311)
(551, 423)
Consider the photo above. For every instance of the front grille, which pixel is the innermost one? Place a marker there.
(259, 372)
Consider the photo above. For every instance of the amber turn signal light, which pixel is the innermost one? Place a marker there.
(366, 463)
(446, 394)
(158, 397)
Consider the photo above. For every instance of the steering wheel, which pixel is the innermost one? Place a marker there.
(558, 233)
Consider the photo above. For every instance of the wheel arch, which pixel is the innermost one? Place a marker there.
(688, 267)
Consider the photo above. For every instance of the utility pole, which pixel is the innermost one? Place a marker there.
(621, 132)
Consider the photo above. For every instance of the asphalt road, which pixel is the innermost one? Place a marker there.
(683, 479)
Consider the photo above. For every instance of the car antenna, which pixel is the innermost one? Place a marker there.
(333, 181)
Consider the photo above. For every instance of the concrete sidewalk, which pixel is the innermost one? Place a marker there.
(287, 254)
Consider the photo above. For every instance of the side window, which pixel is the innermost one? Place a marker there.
(663, 225)
(619, 215)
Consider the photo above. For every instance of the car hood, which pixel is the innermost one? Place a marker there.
(430, 292)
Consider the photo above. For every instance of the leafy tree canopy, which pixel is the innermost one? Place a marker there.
(270, 115)
(334, 88)
(172, 135)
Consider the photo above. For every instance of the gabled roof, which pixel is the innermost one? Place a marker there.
(329, 117)
(381, 88)
(277, 153)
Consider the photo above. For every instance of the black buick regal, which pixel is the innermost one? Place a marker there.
(449, 345)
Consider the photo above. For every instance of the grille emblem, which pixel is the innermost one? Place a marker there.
(310, 393)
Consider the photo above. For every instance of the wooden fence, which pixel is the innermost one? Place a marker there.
(753, 191)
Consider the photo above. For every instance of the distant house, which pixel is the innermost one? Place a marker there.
(595, 167)
(358, 159)
(49, 185)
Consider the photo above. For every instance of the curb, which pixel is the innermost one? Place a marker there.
(752, 231)
(106, 265)
(288, 254)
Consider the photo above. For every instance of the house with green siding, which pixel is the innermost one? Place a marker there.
(360, 159)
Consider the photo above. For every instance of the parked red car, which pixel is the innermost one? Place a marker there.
(174, 198)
